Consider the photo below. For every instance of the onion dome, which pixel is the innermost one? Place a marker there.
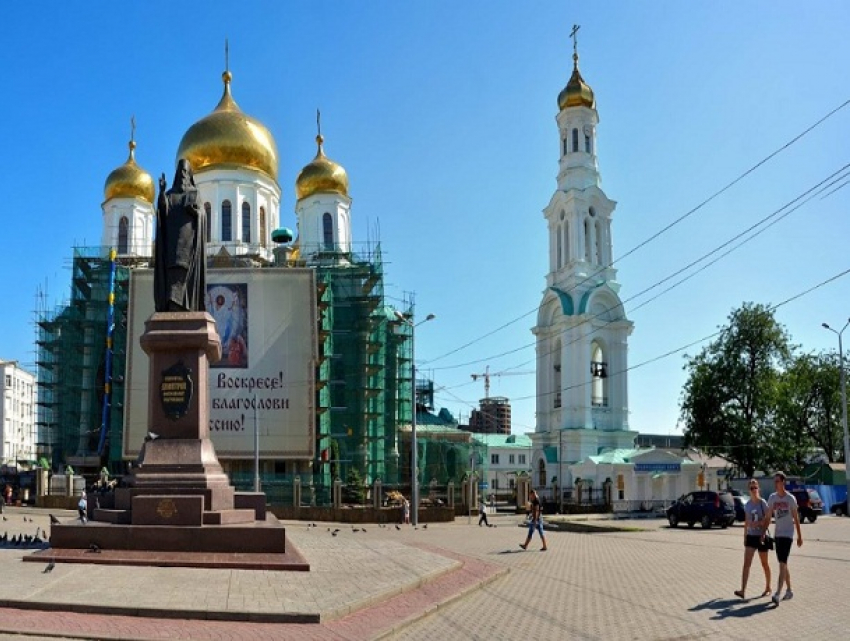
(229, 137)
(322, 175)
(577, 93)
(129, 180)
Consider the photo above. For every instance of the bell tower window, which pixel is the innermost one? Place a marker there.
(208, 214)
(565, 147)
(246, 222)
(575, 139)
(560, 252)
(226, 221)
(556, 377)
(587, 247)
(123, 235)
(599, 376)
(262, 226)
(328, 232)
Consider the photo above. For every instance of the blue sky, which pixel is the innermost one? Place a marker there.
(443, 115)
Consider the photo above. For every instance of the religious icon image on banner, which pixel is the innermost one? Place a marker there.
(228, 305)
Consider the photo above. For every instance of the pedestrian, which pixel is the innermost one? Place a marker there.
(482, 512)
(82, 507)
(535, 522)
(755, 511)
(783, 506)
(405, 511)
(8, 492)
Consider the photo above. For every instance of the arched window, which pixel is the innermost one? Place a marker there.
(599, 376)
(541, 473)
(587, 147)
(208, 214)
(587, 246)
(600, 257)
(566, 148)
(559, 250)
(575, 139)
(246, 222)
(123, 235)
(567, 242)
(226, 221)
(328, 232)
(556, 375)
(262, 226)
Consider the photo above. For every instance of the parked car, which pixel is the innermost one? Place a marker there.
(740, 506)
(809, 504)
(839, 509)
(705, 508)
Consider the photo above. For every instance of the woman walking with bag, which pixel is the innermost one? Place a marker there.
(756, 509)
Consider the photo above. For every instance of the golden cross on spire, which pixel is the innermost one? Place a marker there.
(574, 36)
(319, 121)
(226, 55)
(133, 128)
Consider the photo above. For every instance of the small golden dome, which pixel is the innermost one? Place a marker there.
(129, 181)
(322, 175)
(577, 93)
(228, 136)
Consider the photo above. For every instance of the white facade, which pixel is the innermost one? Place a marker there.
(243, 209)
(582, 330)
(128, 226)
(17, 414)
(502, 459)
(324, 224)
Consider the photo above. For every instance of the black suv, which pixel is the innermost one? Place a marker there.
(705, 508)
(809, 504)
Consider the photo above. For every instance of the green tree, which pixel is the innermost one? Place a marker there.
(729, 401)
(809, 407)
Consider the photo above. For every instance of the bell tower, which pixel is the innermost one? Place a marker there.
(582, 330)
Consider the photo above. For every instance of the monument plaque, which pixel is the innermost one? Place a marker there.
(175, 390)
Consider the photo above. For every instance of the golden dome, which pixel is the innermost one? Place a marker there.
(577, 93)
(129, 181)
(229, 137)
(322, 175)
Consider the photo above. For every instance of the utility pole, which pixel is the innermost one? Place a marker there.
(843, 402)
(256, 450)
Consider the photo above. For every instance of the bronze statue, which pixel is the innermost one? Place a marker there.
(180, 249)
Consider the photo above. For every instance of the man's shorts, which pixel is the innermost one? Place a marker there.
(783, 548)
(535, 525)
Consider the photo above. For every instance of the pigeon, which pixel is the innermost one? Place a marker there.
(152, 436)
(94, 548)
(334, 533)
(5, 519)
(425, 527)
(355, 529)
(49, 567)
(54, 520)
(363, 529)
(397, 527)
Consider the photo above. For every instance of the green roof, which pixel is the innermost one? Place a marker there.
(518, 441)
(617, 456)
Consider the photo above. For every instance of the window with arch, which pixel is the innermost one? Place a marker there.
(556, 374)
(588, 249)
(575, 139)
(587, 145)
(123, 235)
(262, 226)
(566, 147)
(226, 221)
(208, 221)
(328, 232)
(246, 222)
(599, 376)
(567, 242)
(599, 244)
(559, 247)
(541, 473)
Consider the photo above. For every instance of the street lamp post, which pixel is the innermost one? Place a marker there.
(843, 401)
(414, 445)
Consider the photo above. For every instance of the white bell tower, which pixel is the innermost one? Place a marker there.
(582, 330)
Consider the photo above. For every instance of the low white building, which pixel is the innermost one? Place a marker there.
(647, 478)
(17, 414)
(503, 457)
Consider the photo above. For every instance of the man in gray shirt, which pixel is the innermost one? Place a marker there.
(783, 506)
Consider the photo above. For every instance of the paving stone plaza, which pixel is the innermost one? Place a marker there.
(444, 581)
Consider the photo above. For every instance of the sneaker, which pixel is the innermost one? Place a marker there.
(775, 599)
(522, 545)
(788, 595)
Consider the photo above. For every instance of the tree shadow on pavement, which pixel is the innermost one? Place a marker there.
(726, 608)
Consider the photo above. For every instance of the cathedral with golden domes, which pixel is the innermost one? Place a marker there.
(316, 364)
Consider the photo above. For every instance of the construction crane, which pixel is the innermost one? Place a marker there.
(486, 376)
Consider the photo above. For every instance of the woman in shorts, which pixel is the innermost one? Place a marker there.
(755, 509)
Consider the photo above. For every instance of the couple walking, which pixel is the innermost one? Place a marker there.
(783, 506)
